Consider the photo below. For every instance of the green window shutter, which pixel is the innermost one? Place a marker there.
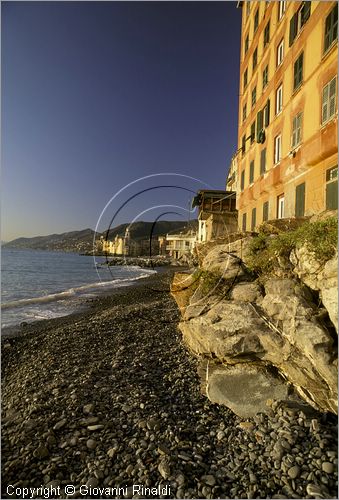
(305, 13)
(244, 222)
(267, 113)
(332, 96)
(293, 28)
(298, 71)
(265, 211)
(242, 180)
(294, 132)
(252, 172)
(324, 113)
(252, 132)
(263, 161)
(331, 28)
(243, 145)
(300, 200)
(332, 195)
(253, 219)
(260, 123)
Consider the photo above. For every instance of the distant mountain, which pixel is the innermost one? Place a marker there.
(82, 241)
(74, 241)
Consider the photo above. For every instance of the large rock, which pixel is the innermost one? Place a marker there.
(221, 262)
(244, 389)
(183, 287)
(284, 333)
(319, 277)
(275, 335)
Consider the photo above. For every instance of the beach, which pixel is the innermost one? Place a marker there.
(106, 403)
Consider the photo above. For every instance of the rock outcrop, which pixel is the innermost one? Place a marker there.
(266, 340)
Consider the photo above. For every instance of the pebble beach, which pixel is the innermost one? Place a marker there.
(107, 403)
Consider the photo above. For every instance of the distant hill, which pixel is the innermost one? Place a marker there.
(74, 241)
(82, 241)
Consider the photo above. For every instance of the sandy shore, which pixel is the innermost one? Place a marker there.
(109, 398)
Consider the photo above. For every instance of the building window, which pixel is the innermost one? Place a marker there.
(263, 161)
(266, 111)
(277, 149)
(260, 124)
(281, 9)
(254, 96)
(242, 180)
(265, 211)
(332, 188)
(252, 172)
(245, 78)
(253, 219)
(255, 58)
(267, 34)
(243, 144)
(246, 44)
(281, 206)
(265, 77)
(256, 20)
(244, 222)
(329, 98)
(299, 19)
(244, 112)
(300, 200)
(278, 100)
(298, 72)
(296, 130)
(280, 53)
(331, 28)
(252, 132)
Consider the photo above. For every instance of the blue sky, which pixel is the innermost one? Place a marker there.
(98, 94)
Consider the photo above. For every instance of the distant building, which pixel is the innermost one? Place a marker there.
(217, 214)
(181, 244)
(288, 115)
(232, 177)
(118, 246)
(128, 247)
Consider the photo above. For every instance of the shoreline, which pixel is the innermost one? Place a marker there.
(110, 398)
(84, 304)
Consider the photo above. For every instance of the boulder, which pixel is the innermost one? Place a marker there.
(319, 277)
(221, 262)
(246, 292)
(284, 333)
(183, 287)
(245, 389)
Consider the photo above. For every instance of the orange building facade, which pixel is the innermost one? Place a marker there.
(287, 161)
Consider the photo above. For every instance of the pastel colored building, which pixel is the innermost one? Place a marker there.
(287, 158)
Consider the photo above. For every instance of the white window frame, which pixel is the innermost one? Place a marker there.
(279, 100)
(277, 149)
(328, 101)
(296, 130)
(281, 8)
(281, 206)
(280, 53)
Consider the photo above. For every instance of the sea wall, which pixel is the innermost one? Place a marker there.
(262, 336)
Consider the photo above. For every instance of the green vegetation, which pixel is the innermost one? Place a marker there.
(320, 237)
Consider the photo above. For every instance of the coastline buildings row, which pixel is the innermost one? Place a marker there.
(286, 163)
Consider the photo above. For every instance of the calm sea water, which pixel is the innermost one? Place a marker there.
(40, 285)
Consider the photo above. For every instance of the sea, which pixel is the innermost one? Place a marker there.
(37, 285)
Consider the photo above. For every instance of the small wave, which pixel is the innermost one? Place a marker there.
(74, 291)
